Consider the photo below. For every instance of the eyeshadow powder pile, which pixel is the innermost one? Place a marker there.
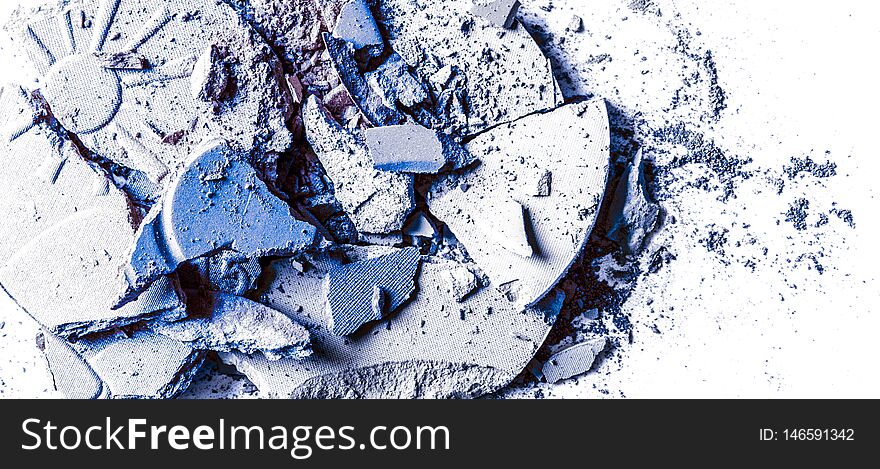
(358, 198)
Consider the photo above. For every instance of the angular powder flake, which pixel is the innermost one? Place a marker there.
(537, 183)
(71, 375)
(460, 281)
(424, 351)
(366, 291)
(356, 25)
(217, 203)
(501, 13)
(504, 222)
(634, 216)
(210, 79)
(394, 82)
(419, 225)
(378, 202)
(573, 361)
(223, 323)
(500, 78)
(414, 149)
(573, 143)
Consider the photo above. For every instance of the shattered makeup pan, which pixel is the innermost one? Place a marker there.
(328, 198)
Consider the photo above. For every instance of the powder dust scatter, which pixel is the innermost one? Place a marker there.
(667, 95)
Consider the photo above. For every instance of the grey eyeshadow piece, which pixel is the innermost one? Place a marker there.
(573, 361)
(371, 104)
(501, 13)
(355, 24)
(500, 78)
(411, 148)
(425, 350)
(71, 375)
(366, 291)
(222, 322)
(217, 203)
(378, 202)
(635, 217)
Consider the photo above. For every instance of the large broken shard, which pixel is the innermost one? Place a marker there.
(502, 77)
(394, 82)
(60, 240)
(434, 347)
(217, 203)
(143, 366)
(378, 202)
(573, 361)
(223, 323)
(573, 143)
(368, 290)
(635, 217)
(126, 114)
(414, 149)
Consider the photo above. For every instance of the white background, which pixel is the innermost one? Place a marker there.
(801, 79)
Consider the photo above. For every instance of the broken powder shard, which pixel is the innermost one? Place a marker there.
(71, 375)
(371, 104)
(573, 361)
(419, 225)
(460, 281)
(414, 149)
(60, 241)
(497, 79)
(377, 202)
(144, 366)
(499, 12)
(351, 295)
(125, 115)
(217, 203)
(394, 82)
(537, 183)
(223, 323)
(125, 60)
(229, 272)
(634, 217)
(356, 25)
(573, 143)
(504, 222)
(296, 88)
(424, 352)
(576, 25)
(210, 80)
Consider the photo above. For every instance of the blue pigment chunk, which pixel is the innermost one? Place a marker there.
(217, 203)
(414, 149)
(366, 291)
